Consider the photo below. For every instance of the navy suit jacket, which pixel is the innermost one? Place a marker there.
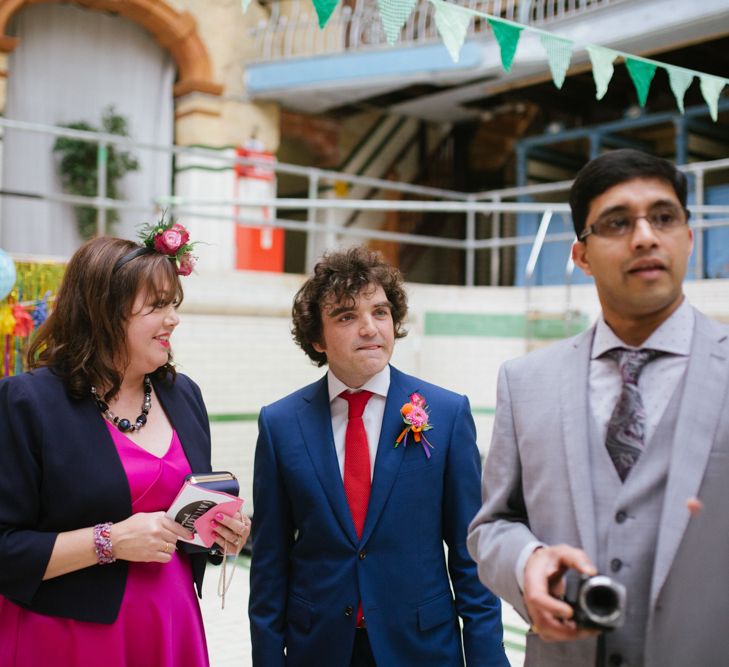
(59, 471)
(309, 569)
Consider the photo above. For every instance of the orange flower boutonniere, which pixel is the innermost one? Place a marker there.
(415, 415)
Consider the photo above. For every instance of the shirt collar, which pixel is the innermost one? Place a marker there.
(378, 384)
(672, 336)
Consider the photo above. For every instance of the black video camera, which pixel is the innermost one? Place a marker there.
(598, 601)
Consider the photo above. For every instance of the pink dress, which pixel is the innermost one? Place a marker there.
(159, 623)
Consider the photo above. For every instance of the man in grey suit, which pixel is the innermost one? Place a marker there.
(610, 450)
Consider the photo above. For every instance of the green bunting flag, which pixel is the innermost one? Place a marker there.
(642, 73)
(680, 79)
(244, 4)
(711, 87)
(507, 35)
(324, 9)
(602, 67)
(394, 14)
(452, 22)
(559, 53)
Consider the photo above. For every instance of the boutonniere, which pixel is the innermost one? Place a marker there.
(415, 415)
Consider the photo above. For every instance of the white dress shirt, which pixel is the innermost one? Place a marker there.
(371, 417)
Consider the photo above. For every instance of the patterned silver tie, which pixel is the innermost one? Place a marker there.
(626, 428)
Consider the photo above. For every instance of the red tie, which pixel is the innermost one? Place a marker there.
(357, 467)
(356, 459)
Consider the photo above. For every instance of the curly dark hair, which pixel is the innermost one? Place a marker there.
(340, 276)
(84, 338)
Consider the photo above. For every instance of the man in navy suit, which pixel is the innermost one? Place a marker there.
(351, 572)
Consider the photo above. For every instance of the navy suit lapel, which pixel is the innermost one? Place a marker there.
(315, 421)
(388, 458)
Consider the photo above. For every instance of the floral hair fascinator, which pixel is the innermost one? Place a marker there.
(415, 415)
(167, 238)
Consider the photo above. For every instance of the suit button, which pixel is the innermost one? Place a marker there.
(621, 516)
(348, 611)
(362, 555)
(615, 659)
(615, 565)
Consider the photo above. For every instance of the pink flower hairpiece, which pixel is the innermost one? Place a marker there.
(417, 420)
(172, 239)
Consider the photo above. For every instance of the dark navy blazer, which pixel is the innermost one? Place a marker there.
(309, 569)
(60, 471)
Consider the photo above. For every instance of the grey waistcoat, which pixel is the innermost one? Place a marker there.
(627, 516)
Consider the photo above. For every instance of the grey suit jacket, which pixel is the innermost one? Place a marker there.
(537, 486)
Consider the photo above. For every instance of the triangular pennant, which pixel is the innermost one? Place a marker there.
(244, 4)
(452, 23)
(324, 9)
(559, 53)
(507, 35)
(602, 67)
(680, 79)
(394, 14)
(642, 73)
(711, 87)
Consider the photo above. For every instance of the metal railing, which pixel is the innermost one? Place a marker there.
(292, 28)
(491, 204)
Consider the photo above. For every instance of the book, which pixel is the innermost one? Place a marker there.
(196, 506)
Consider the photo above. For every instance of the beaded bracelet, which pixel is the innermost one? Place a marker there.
(102, 543)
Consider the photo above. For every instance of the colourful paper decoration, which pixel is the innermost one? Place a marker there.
(602, 60)
(394, 14)
(244, 4)
(680, 79)
(7, 274)
(23, 321)
(452, 23)
(7, 321)
(324, 10)
(507, 35)
(711, 87)
(642, 73)
(559, 53)
(24, 310)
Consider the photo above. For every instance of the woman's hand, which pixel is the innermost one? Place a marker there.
(232, 532)
(146, 537)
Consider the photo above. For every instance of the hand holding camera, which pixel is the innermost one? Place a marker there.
(552, 617)
(598, 601)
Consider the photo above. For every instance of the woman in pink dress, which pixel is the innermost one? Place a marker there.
(95, 443)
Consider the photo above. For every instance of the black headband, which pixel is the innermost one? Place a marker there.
(133, 254)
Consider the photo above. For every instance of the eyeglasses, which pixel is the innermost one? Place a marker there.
(613, 225)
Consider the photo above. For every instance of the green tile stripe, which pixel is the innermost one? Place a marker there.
(515, 629)
(234, 417)
(482, 325)
(514, 646)
(253, 416)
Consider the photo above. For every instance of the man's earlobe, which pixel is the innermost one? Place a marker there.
(579, 256)
(318, 347)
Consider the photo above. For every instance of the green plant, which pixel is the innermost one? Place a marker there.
(79, 170)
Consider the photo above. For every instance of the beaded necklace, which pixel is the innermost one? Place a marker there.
(125, 425)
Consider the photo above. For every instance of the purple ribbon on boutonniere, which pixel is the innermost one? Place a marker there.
(415, 415)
